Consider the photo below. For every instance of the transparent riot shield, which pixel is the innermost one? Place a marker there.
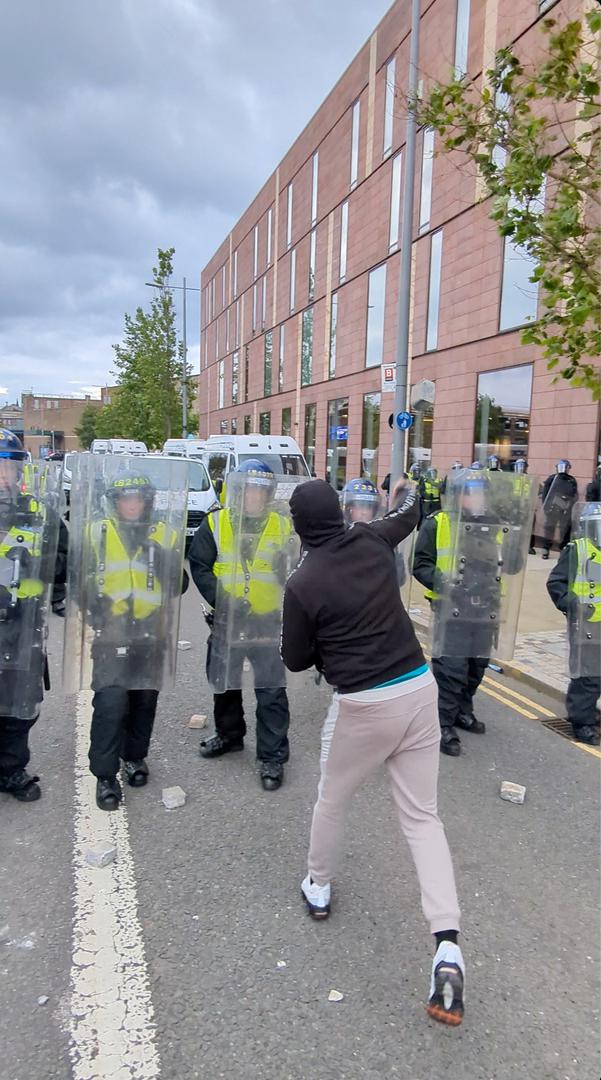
(257, 549)
(124, 582)
(30, 511)
(556, 512)
(584, 601)
(482, 542)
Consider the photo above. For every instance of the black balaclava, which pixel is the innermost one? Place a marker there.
(316, 513)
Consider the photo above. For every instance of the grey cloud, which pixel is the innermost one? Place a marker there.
(132, 125)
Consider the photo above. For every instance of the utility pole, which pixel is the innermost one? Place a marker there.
(402, 345)
(185, 377)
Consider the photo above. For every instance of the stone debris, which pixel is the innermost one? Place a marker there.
(183, 646)
(281, 963)
(43, 1000)
(335, 995)
(172, 797)
(198, 720)
(101, 856)
(514, 793)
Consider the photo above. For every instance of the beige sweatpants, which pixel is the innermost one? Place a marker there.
(397, 726)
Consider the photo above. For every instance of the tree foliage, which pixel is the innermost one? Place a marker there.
(149, 365)
(533, 132)
(86, 429)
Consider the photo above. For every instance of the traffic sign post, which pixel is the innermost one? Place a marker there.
(404, 421)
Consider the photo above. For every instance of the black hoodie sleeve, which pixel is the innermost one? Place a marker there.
(298, 647)
(202, 556)
(396, 525)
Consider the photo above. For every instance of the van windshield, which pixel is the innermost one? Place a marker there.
(280, 464)
(198, 479)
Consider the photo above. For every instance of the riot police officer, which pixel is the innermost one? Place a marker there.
(461, 557)
(126, 580)
(360, 501)
(494, 463)
(30, 528)
(239, 558)
(574, 586)
(560, 492)
(430, 489)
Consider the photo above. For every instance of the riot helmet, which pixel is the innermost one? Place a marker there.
(12, 458)
(494, 463)
(360, 501)
(563, 465)
(590, 522)
(131, 497)
(259, 481)
(520, 465)
(431, 473)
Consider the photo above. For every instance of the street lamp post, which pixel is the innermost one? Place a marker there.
(184, 289)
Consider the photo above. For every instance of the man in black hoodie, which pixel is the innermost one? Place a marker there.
(343, 614)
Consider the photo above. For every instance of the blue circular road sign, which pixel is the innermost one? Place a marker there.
(404, 420)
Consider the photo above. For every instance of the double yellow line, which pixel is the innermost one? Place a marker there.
(529, 713)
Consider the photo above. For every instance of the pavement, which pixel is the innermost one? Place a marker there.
(191, 956)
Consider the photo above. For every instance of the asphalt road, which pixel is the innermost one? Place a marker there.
(230, 977)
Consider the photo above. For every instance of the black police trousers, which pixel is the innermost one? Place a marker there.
(581, 700)
(458, 678)
(14, 744)
(122, 722)
(272, 712)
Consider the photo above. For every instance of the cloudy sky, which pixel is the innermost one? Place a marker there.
(129, 125)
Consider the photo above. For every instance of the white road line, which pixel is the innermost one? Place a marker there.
(112, 1026)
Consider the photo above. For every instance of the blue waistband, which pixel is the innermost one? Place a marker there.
(403, 678)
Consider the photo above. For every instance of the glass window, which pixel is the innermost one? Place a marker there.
(289, 218)
(269, 229)
(286, 421)
(389, 105)
(246, 372)
(312, 257)
(212, 298)
(333, 328)
(370, 437)
(434, 290)
(281, 464)
(267, 365)
(292, 280)
(223, 286)
(519, 295)
(248, 425)
(223, 427)
(221, 383)
(264, 303)
(462, 32)
(425, 202)
(227, 330)
(343, 239)
(355, 144)
(337, 443)
(314, 186)
(256, 252)
(234, 424)
(254, 322)
(394, 237)
(236, 273)
(265, 423)
(307, 348)
(281, 354)
(217, 339)
(310, 434)
(216, 465)
(420, 434)
(375, 316)
(235, 376)
(237, 338)
(503, 414)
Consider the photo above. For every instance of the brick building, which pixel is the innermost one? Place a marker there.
(49, 421)
(299, 303)
(11, 416)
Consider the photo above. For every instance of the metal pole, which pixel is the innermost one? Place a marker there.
(185, 378)
(402, 346)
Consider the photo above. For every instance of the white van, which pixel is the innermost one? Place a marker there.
(201, 493)
(224, 453)
(118, 446)
(188, 448)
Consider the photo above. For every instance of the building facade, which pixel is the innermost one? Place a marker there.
(299, 303)
(49, 421)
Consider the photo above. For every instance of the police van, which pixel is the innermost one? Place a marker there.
(188, 448)
(118, 446)
(201, 493)
(224, 453)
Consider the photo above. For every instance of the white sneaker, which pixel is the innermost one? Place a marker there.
(317, 898)
(447, 987)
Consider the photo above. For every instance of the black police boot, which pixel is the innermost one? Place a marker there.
(272, 774)
(218, 746)
(108, 793)
(532, 550)
(58, 608)
(450, 742)
(546, 554)
(468, 722)
(136, 773)
(21, 786)
(587, 734)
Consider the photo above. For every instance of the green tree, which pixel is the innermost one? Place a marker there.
(533, 132)
(149, 367)
(86, 429)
